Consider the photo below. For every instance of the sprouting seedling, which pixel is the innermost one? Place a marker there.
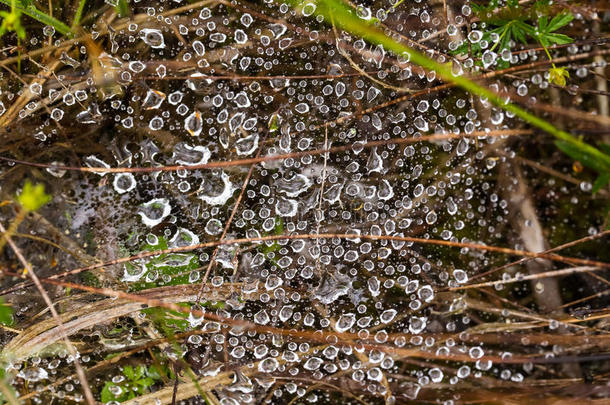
(11, 21)
(512, 24)
(32, 197)
(137, 381)
(547, 36)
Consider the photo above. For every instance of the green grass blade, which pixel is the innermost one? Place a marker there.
(346, 19)
(122, 8)
(79, 13)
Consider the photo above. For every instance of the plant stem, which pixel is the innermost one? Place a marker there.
(40, 17)
(548, 54)
(397, 4)
(506, 28)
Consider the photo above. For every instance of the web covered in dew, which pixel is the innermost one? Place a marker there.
(360, 192)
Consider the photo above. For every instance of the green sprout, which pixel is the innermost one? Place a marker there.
(546, 36)
(558, 75)
(32, 197)
(511, 23)
(137, 382)
(11, 22)
(274, 123)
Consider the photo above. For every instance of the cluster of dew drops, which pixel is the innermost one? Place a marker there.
(156, 90)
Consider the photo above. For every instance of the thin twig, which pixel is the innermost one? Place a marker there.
(546, 274)
(250, 161)
(423, 241)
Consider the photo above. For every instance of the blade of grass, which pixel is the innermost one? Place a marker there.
(79, 13)
(41, 17)
(9, 393)
(122, 8)
(347, 20)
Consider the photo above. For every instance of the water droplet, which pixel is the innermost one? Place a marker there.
(313, 363)
(268, 365)
(421, 124)
(345, 322)
(153, 38)
(194, 124)
(124, 182)
(308, 9)
(213, 227)
(154, 211)
(388, 315)
(153, 99)
(33, 374)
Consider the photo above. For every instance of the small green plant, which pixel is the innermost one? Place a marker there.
(28, 8)
(11, 22)
(167, 320)
(32, 197)
(135, 382)
(510, 22)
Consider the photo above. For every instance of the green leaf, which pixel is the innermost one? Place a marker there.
(558, 39)
(158, 371)
(145, 382)
(587, 159)
(520, 30)
(107, 395)
(140, 371)
(128, 371)
(122, 8)
(601, 182)
(560, 20)
(605, 147)
(273, 123)
(542, 23)
(33, 197)
(6, 314)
